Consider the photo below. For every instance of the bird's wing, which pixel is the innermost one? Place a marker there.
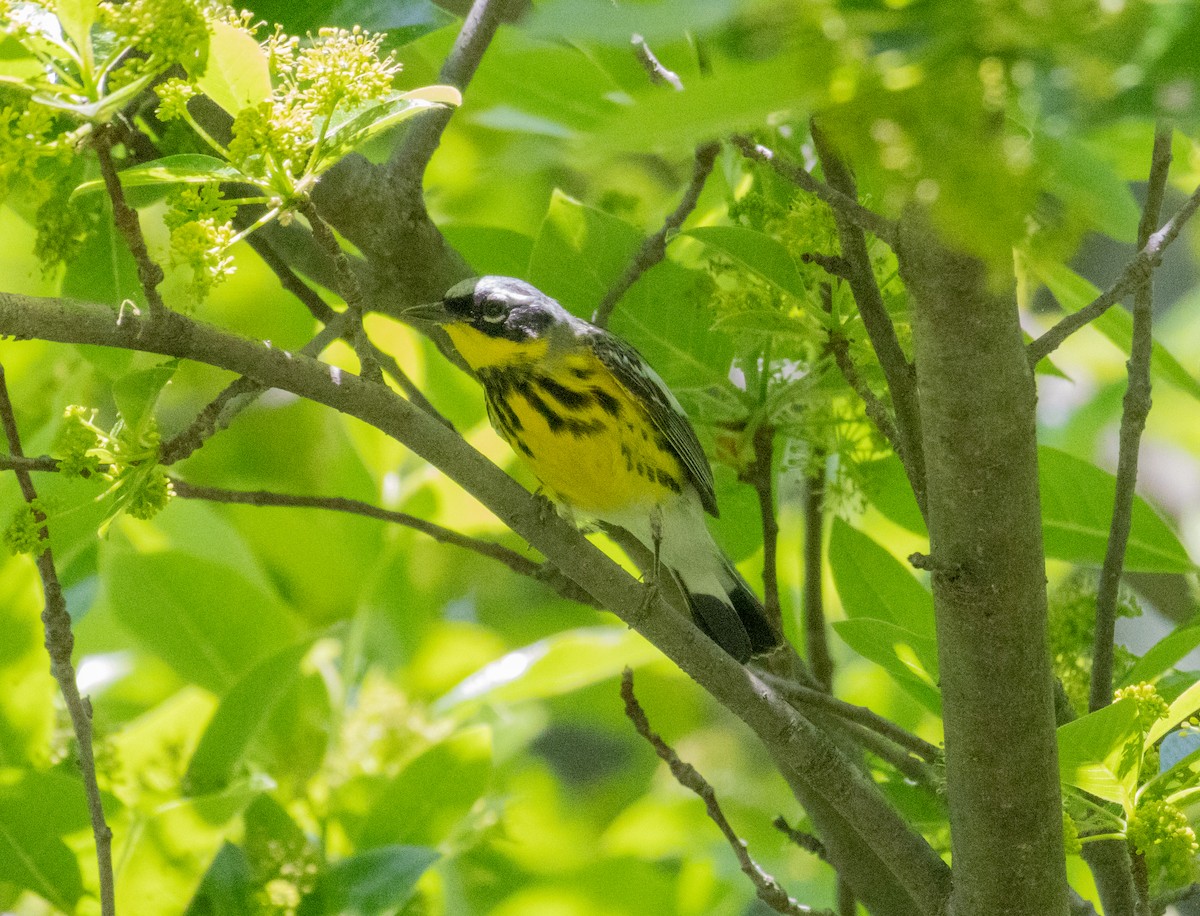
(645, 386)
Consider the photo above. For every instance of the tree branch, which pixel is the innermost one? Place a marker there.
(768, 889)
(807, 697)
(60, 642)
(654, 248)
(234, 398)
(653, 66)
(839, 202)
(761, 476)
(899, 372)
(516, 562)
(804, 751)
(127, 222)
(816, 636)
(410, 158)
(1133, 421)
(1135, 272)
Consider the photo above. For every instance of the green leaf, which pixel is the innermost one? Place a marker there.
(187, 168)
(1077, 504)
(37, 809)
(103, 270)
(228, 886)
(372, 882)
(1162, 655)
(1073, 292)
(491, 249)
(203, 619)
(353, 129)
(76, 18)
(425, 801)
(1184, 706)
(559, 664)
(242, 718)
(872, 583)
(887, 488)
(136, 393)
(758, 252)
(237, 75)
(579, 253)
(1090, 187)
(1102, 751)
(167, 853)
(910, 659)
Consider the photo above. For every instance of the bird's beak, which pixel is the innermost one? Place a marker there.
(434, 312)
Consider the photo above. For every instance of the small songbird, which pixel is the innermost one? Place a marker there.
(606, 438)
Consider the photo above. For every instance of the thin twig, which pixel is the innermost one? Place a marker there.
(126, 220)
(1133, 421)
(235, 397)
(320, 310)
(769, 890)
(833, 264)
(806, 841)
(60, 642)
(653, 66)
(408, 162)
(897, 370)
(348, 288)
(839, 347)
(761, 476)
(1142, 264)
(654, 248)
(516, 562)
(868, 219)
(816, 634)
(808, 697)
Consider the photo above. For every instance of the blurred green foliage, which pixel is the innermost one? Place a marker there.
(305, 712)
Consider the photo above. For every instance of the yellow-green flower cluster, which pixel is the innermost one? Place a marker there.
(201, 224)
(1161, 833)
(1151, 707)
(126, 458)
(165, 33)
(23, 534)
(173, 96)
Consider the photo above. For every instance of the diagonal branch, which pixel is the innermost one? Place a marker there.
(654, 248)
(803, 750)
(768, 889)
(60, 642)
(1135, 272)
(518, 563)
(838, 201)
(652, 65)
(478, 29)
(127, 222)
(1133, 421)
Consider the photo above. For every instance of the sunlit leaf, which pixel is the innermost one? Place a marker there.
(1162, 655)
(137, 392)
(186, 168)
(909, 658)
(1101, 752)
(872, 583)
(1183, 706)
(237, 75)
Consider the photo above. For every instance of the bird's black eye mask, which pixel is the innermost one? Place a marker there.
(512, 318)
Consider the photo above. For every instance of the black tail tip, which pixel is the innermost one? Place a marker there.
(737, 623)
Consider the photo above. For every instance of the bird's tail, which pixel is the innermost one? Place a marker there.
(727, 610)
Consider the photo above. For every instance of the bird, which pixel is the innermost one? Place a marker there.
(605, 437)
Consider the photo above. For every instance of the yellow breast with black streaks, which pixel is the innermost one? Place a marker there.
(588, 442)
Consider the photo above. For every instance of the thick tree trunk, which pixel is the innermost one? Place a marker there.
(977, 396)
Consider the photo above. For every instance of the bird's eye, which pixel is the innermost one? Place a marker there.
(493, 311)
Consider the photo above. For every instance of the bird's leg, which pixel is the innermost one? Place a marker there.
(650, 576)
